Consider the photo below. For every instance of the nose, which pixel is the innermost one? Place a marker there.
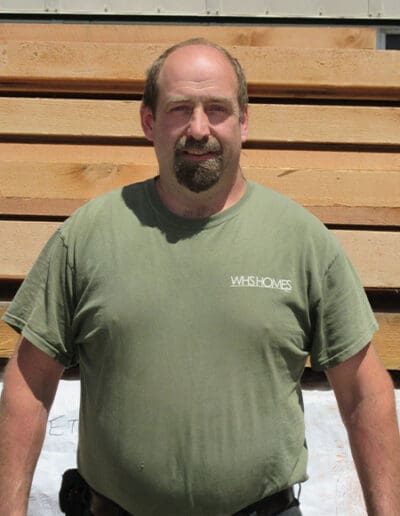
(199, 127)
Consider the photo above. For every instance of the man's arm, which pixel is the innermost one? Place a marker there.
(365, 395)
(30, 384)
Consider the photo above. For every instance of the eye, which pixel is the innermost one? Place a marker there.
(180, 108)
(217, 108)
(217, 112)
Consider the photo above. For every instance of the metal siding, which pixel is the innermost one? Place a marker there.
(237, 7)
(190, 7)
(386, 9)
(22, 6)
(291, 8)
(108, 6)
(318, 8)
(348, 9)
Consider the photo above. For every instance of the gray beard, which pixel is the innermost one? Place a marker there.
(198, 176)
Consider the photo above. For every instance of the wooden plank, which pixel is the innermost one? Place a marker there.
(21, 244)
(332, 215)
(280, 159)
(386, 341)
(67, 118)
(269, 124)
(8, 337)
(356, 216)
(329, 159)
(343, 125)
(272, 72)
(24, 241)
(375, 255)
(368, 197)
(248, 35)
(344, 159)
(363, 197)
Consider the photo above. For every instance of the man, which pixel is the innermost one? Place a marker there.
(191, 302)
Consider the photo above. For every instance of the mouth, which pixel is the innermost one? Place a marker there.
(197, 154)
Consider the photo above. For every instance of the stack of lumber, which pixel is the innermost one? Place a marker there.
(324, 129)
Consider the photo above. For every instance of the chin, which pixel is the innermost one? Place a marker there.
(198, 177)
(198, 182)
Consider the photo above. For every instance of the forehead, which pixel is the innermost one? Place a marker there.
(197, 70)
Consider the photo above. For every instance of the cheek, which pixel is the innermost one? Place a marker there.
(168, 124)
(162, 137)
(164, 146)
(166, 136)
(232, 138)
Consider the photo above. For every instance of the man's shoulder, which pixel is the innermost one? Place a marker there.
(118, 196)
(282, 216)
(111, 202)
(107, 207)
(277, 205)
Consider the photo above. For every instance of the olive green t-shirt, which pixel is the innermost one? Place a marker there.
(192, 336)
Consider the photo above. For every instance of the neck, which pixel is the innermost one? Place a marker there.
(185, 203)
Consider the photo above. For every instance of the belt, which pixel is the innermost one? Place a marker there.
(102, 506)
(268, 506)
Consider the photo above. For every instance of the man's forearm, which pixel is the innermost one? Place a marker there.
(374, 439)
(30, 383)
(365, 396)
(22, 434)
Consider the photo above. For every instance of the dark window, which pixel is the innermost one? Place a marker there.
(393, 41)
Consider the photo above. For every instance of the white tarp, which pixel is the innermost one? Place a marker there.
(332, 488)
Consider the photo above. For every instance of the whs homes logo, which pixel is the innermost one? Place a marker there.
(261, 282)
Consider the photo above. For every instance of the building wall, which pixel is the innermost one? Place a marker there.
(314, 9)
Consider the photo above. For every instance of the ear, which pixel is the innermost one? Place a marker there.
(244, 124)
(146, 118)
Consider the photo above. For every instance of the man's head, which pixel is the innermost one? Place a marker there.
(151, 88)
(195, 112)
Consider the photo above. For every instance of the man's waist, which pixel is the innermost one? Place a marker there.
(268, 506)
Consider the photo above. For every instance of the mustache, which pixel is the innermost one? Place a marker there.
(188, 144)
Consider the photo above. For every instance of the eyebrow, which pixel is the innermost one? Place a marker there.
(206, 100)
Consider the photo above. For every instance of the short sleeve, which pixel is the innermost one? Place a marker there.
(42, 309)
(343, 320)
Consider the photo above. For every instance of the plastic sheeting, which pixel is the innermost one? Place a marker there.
(332, 487)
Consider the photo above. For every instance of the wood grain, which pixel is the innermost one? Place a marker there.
(85, 119)
(340, 125)
(8, 337)
(386, 340)
(368, 197)
(100, 67)
(69, 118)
(375, 255)
(343, 159)
(21, 244)
(246, 35)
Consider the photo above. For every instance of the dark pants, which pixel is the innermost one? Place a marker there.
(78, 499)
(293, 511)
(276, 505)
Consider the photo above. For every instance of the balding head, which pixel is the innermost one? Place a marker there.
(151, 89)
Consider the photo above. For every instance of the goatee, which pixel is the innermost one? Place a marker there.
(198, 176)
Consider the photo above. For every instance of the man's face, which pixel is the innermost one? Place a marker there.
(197, 131)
